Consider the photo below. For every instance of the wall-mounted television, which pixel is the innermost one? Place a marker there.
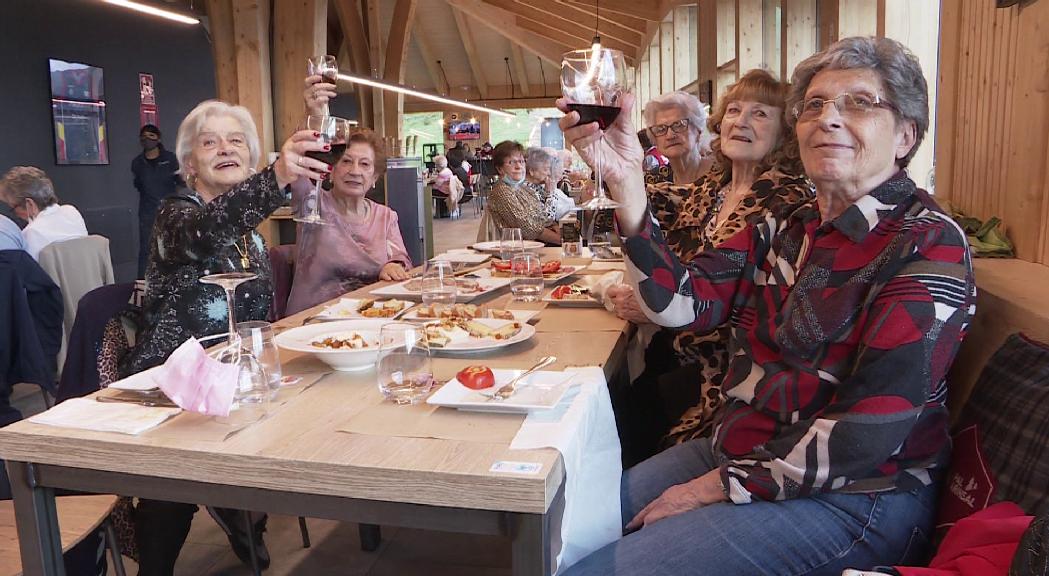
(464, 130)
(78, 112)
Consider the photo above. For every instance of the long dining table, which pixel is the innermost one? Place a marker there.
(299, 462)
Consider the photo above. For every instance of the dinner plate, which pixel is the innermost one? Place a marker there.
(346, 309)
(347, 360)
(472, 344)
(539, 391)
(588, 302)
(561, 274)
(487, 285)
(495, 247)
(463, 257)
(519, 315)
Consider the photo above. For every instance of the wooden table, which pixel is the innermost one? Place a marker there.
(297, 463)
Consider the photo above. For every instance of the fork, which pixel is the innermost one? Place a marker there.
(511, 387)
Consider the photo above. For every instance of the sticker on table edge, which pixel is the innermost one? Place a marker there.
(511, 467)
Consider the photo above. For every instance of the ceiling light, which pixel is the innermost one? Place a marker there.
(420, 94)
(153, 11)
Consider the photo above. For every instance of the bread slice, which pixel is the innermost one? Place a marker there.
(507, 330)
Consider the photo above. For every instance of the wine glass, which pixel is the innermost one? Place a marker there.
(438, 284)
(510, 243)
(229, 282)
(405, 373)
(526, 277)
(593, 83)
(326, 67)
(333, 131)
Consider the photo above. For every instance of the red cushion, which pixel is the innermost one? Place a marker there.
(970, 485)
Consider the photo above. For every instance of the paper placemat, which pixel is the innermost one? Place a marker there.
(424, 421)
(90, 414)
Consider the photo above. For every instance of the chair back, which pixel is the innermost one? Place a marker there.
(282, 260)
(78, 267)
(97, 309)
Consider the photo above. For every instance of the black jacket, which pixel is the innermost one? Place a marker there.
(31, 314)
(155, 180)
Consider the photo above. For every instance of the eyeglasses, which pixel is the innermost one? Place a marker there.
(847, 105)
(514, 161)
(676, 127)
(211, 140)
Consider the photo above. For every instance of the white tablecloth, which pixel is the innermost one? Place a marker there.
(583, 429)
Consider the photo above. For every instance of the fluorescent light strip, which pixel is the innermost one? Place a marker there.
(419, 94)
(153, 11)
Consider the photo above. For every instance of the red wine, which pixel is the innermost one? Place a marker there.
(330, 78)
(603, 115)
(330, 157)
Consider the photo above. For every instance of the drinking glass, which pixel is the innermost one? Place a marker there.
(593, 82)
(438, 284)
(327, 67)
(257, 339)
(526, 277)
(333, 131)
(229, 282)
(405, 374)
(510, 243)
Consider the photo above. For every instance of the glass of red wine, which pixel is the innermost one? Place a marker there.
(335, 132)
(593, 81)
(324, 66)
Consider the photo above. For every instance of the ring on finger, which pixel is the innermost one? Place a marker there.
(299, 161)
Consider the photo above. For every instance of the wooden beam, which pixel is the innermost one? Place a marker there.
(519, 68)
(652, 10)
(800, 36)
(373, 21)
(828, 23)
(471, 52)
(666, 56)
(857, 18)
(428, 58)
(682, 54)
(223, 48)
(707, 44)
(505, 24)
(251, 28)
(578, 18)
(558, 29)
(396, 56)
(412, 106)
(750, 50)
(588, 14)
(352, 25)
(578, 41)
(299, 32)
(654, 71)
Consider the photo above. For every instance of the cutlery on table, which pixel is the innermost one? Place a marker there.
(511, 387)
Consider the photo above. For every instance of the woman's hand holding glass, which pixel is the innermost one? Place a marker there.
(317, 95)
(621, 155)
(294, 165)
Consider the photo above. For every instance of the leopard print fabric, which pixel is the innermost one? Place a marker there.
(689, 231)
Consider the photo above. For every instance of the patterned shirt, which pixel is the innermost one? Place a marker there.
(842, 336)
(191, 239)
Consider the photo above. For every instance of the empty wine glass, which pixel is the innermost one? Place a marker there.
(334, 132)
(251, 399)
(405, 372)
(593, 82)
(510, 243)
(438, 284)
(229, 282)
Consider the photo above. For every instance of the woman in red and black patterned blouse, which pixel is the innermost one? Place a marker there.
(846, 313)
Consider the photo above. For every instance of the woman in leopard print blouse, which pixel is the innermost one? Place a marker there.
(757, 171)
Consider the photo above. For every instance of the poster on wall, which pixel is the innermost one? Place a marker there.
(78, 112)
(147, 106)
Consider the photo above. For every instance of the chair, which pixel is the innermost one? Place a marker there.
(78, 267)
(282, 262)
(78, 517)
(31, 335)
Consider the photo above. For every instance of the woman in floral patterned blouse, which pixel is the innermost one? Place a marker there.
(755, 172)
(208, 229)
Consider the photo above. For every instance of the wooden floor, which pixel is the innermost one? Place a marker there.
(335, 546)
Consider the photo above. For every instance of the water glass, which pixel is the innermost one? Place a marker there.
(438, 284)
(257, 339)
(251, 400)
(510, 243)
(526, 277)
(405, 374)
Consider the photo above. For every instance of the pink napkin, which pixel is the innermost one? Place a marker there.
(197, 382)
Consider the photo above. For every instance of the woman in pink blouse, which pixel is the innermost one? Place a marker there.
(360, 243)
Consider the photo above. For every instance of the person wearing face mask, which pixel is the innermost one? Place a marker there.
(209, 229)
(756, 171)
(156, 178)
(29, 193)
(512, 203)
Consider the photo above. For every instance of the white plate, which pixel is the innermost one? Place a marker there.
(589, 302)
(615, 250)
(563, 273)
(519, 315)
(346, 309)
(400, 290)
(493, 247)
(539, 391)
(464, 257)
(299, 339)
(471, 344)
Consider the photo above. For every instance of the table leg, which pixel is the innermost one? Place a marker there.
(531, 554)
(36, 515)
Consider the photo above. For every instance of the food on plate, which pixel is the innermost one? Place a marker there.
(571, 292)
(476, 377)
(467, 311)
(385, 309)
(350, 340)
(446, 331)
(462, 285)
(551, 269)
(501, 315)
(501, 266)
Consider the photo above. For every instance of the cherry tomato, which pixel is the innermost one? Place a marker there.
(551, 266)
(476, 377)
(561, 292)
(501, 266)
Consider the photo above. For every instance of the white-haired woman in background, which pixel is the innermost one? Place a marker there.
(677, 124)
(207, 229)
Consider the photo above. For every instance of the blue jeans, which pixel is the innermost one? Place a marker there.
(821, 534)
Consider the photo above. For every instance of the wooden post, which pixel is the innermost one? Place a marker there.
(299, 32)
(666, 57)
(800, 35)
(707, 44)
(375, 53)
(750, 51)
(682, 53)
(251, 27)
(220, 16)
(396, 56)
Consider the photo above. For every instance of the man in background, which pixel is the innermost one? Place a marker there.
(156, 178)
(30, 194)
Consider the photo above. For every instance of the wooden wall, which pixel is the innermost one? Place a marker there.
(992, 150)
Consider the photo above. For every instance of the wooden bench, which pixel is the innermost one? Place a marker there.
(78, 516)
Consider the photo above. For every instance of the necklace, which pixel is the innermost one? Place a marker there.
(244, 262)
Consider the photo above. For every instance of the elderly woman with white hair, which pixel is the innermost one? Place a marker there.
(446, 183)
(677, 124)
(207, 229)
(543, 169)
(846, 311)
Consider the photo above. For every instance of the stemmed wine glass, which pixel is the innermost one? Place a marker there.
(229, 282)
(593, 81)
(333, 131)
(326, 67)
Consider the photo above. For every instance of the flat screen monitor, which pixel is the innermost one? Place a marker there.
(73, 81)
(464, 130)
(78, 112)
